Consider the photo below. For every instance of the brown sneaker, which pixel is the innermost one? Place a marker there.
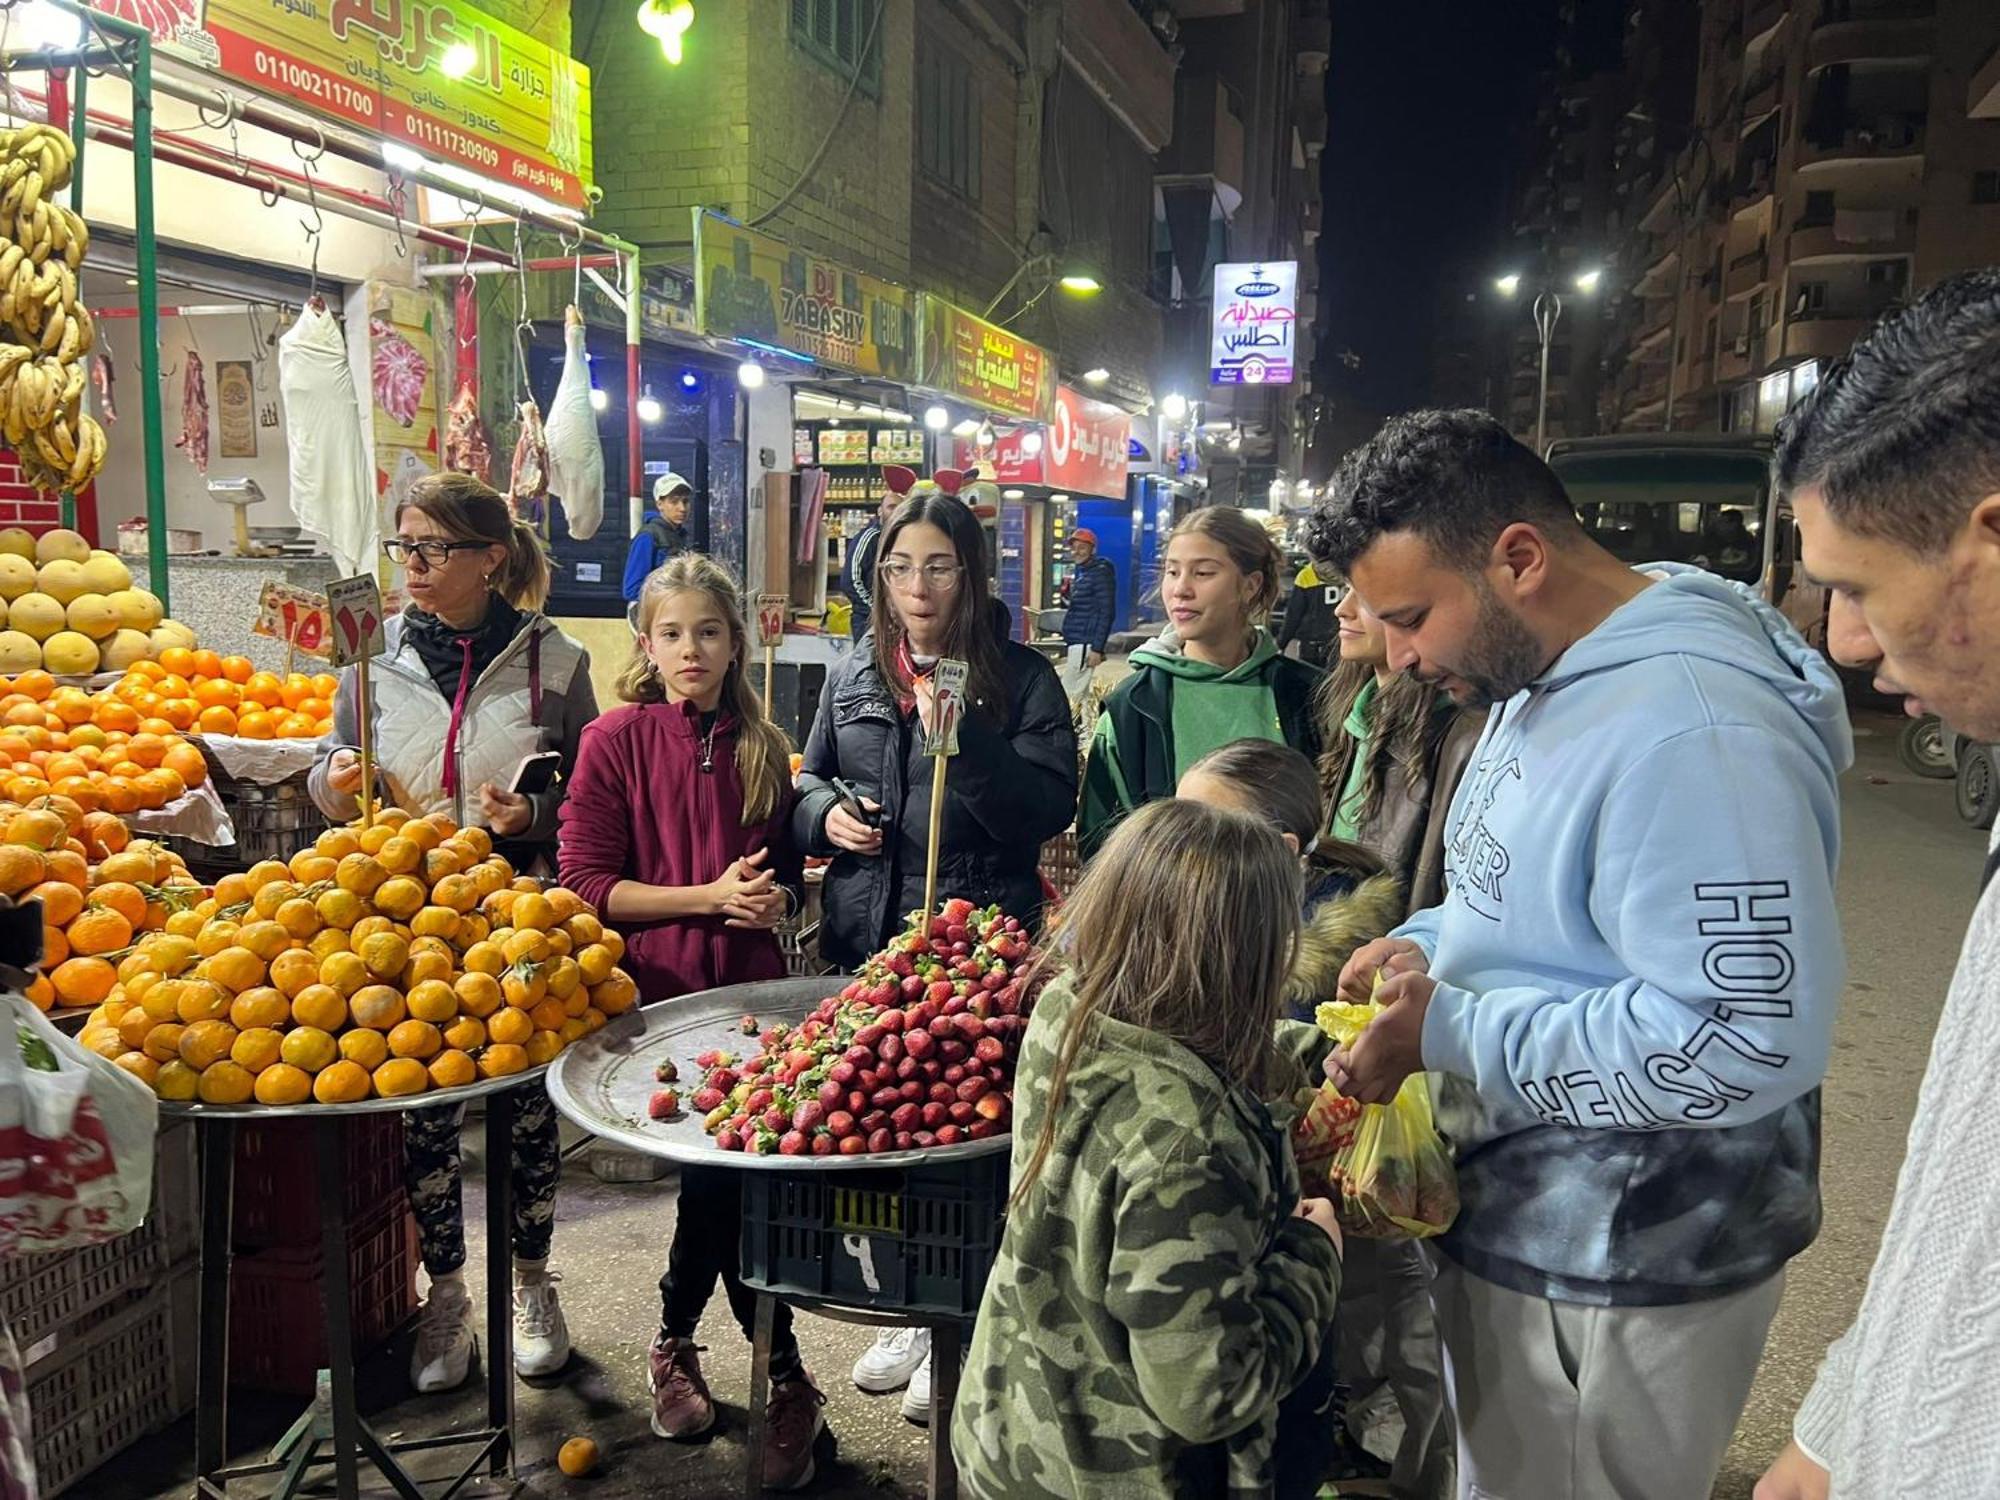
(682, 1407)
(792, 1424)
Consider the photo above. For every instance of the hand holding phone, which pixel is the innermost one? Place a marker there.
(535, 774)
(854, 822)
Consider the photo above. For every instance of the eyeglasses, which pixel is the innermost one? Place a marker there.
(430, 554)
(943, 577)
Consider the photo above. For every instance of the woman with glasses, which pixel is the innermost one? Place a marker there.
(1011, 786)
(473, 680)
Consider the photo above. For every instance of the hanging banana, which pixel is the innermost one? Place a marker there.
(46, 332)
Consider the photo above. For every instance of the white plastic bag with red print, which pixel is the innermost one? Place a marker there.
(76, 1139)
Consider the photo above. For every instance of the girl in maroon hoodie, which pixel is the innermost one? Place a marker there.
(674, 829)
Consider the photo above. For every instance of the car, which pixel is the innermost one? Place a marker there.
(1978, 788)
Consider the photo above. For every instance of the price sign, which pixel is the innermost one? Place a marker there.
(295, 617)
(771, 619)
(948, 680)
(355, 605)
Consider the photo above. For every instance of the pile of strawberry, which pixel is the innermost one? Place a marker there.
(917, 1051)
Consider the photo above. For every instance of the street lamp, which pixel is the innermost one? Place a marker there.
(1548, 309)
(1586, 281)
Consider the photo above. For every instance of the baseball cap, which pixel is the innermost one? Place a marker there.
(1084, 534)
(667, 483)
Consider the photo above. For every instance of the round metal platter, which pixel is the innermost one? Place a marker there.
(604, 1081)
(184, 1109)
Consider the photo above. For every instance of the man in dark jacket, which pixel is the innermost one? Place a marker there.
(1093, 598)
(663, 537)
(1309, 618)
(857, 577)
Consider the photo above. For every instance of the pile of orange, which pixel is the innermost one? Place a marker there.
(100, 890)
(203, 693)
(398, 959)
(61, 741)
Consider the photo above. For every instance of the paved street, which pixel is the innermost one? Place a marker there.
(1906, 893)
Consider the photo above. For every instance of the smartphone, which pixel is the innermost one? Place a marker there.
(850, 799)
(536, 774)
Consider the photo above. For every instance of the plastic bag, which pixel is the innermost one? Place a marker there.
(76, 1139)
(1387, 1169)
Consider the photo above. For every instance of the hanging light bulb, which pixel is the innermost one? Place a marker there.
(749, 375)
(1031, 443)
(667, 22)
(598, 400)
(649, 407)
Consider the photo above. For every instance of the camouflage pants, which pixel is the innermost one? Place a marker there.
(431, 1171)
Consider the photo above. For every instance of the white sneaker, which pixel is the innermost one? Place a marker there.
(445, 1341)
(892, 1359)
(541, 1336)
(917, 1399)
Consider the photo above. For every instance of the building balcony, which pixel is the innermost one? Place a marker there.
(1982, 99)
(1762, 95)
(1208, 137)
(1856, 235)
(1203, 10)
(1736, 361)
(1746, 273)
(1826, 334)
(1660, 278)
(1312, 43)
(1887, 138)
(1875, 32)
(1762, 16)
(1122, 60)
(1655, 340)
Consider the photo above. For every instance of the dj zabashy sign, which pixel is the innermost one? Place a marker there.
(437, 75)
(1253, 340)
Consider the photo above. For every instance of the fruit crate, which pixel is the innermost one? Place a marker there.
(277, 1310)
(271, 822)
(917, 1239)
(1060, 865)
(277, 1178)
(119, 1375)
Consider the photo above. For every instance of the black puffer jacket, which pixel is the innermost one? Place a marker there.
(1011, 787)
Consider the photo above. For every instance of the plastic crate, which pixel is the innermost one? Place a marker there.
(120, 1375)
(917, 1239)
(272, 822)
(277, 1178)
(1060, 865)
(277, 1309)
(45, 1291)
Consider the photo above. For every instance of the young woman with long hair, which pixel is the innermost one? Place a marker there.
(1212, 676)
(1011, 787)
(1161, 1288)
(472, 680)
(676, 830)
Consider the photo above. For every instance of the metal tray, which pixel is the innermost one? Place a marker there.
(603, 1082)
(430, 1099)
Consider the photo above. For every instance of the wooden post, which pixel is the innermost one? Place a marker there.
(770, 670)
(948, 681)
(937, 829)
(367, 709)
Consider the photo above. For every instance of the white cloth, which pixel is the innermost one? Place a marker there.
(1908, 1400)
(576, 454)
(333, 493)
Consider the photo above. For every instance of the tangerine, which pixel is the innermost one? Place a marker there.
(503, 1060)
(369, 1048)
(281, 1083)
(308, 1048)
(401, 1076)
(342, 1083)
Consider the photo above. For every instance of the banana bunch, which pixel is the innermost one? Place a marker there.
(46, 333)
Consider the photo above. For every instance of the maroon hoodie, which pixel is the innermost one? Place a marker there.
(640, 807)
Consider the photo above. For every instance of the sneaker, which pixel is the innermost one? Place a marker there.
(917, 1398)
(792, 1425)
(682, 1407)
(445, 1341)
(541, 1336)
(892, 1359)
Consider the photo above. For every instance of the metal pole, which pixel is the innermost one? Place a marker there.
(57, 109)
(635, 465)
(1548, 308)
(153, 417)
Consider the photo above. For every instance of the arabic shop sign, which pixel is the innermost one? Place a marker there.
(983, 363)
(1252, 341)
(756, 289)
(1084, 450)
(518, 113)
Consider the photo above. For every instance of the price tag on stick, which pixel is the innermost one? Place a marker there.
(355, 607)
(770, 631)
(299, 618)
(948, 679)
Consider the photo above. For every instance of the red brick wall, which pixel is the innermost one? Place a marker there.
(20, 505)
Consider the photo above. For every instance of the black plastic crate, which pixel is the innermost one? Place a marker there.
(272, 822)
(918, 1239)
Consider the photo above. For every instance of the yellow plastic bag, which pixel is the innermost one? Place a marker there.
(1389, 1172)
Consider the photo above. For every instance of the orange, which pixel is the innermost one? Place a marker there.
(435, 922)
(338, 843)
(309, 867)
(130, 866)
(265, 871)
(478, 840)
(418, 1039)
(264, 689)
(176, 1080)
(440, 863)
(281, 1083)
(263, 1007)
(427, 966)
(457, 892)
(595, 963)
(163, 1042)
(35, 684)
(179, 712)
(616, 995)
(257, 725)
(549, 1015)
(292, 972)
(342, 1083)
(614, 942)
(478, 994)
(320, 710)
(369, 1048)
(55, 945)
(376, 1006)
(559, 943)
(432, 1001)
(61, 903)
(565, 979)
(187, 763)
(207, 1042)
(327, 942)
(214, 692)
(207, 664)
(177, 661)
(128, 901)
(486, 958)
(171, 954)
(104, 834)
(71, 705)
(235, 968)
(373, 838)
(297, 727)
(503, 1060)
(265, 939)
(401, 897)
(367, 928)
(400, 856)
(40, 828)
(453, 1069)
(510, 1026)
(256, 1049)
(21, 869)
(340, 909)
(543, 1047)
(134, 1028)
(308, 1048)
(465, 1034)
(226, 1082)
(344, 971)
(525, 986)
(99, 931)
(264, 905)
(216, 719)
(385, 954)
(139, 1066)
(146, 750)
(199, 1000)
(362, 874)
(237, 669)
(526, 946)
(325, 685)
(320, 1005)
(299, 918)
(400, 1076)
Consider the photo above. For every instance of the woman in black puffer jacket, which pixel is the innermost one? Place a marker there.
(1013, 783)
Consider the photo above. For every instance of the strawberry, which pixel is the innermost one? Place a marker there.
(664, 1105)
(709, 1100)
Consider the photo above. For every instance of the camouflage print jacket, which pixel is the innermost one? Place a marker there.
(1154, 1297)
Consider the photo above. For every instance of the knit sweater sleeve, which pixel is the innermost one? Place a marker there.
(1817, 1427)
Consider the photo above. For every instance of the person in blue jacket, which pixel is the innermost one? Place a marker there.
(1093, 598)
(664, 536)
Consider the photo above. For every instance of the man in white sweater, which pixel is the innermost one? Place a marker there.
(1893, 466)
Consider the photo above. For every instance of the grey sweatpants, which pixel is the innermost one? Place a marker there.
(1560, 1401)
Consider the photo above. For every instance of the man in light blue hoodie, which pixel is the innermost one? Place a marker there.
(1630, 987)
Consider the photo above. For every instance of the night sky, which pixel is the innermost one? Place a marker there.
(1427, 107)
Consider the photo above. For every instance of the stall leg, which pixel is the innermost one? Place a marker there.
(500, 1275)
(760, 1394)
(217, 1145)
(946, 1339)
(339, 1305)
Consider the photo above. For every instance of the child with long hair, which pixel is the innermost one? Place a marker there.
(1161, 1287)
(675, 830)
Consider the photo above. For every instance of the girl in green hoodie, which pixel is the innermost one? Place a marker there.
(1211, 677)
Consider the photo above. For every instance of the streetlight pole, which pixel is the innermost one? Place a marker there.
(1548, 308)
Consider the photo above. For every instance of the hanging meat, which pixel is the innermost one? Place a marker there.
(400, 373)
(576, 456)
(104, 377)
(194, 411)
(528, 488)
(333, 493)
(468, 446)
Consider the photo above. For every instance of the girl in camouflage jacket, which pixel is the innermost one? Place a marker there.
(1161, 1287)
